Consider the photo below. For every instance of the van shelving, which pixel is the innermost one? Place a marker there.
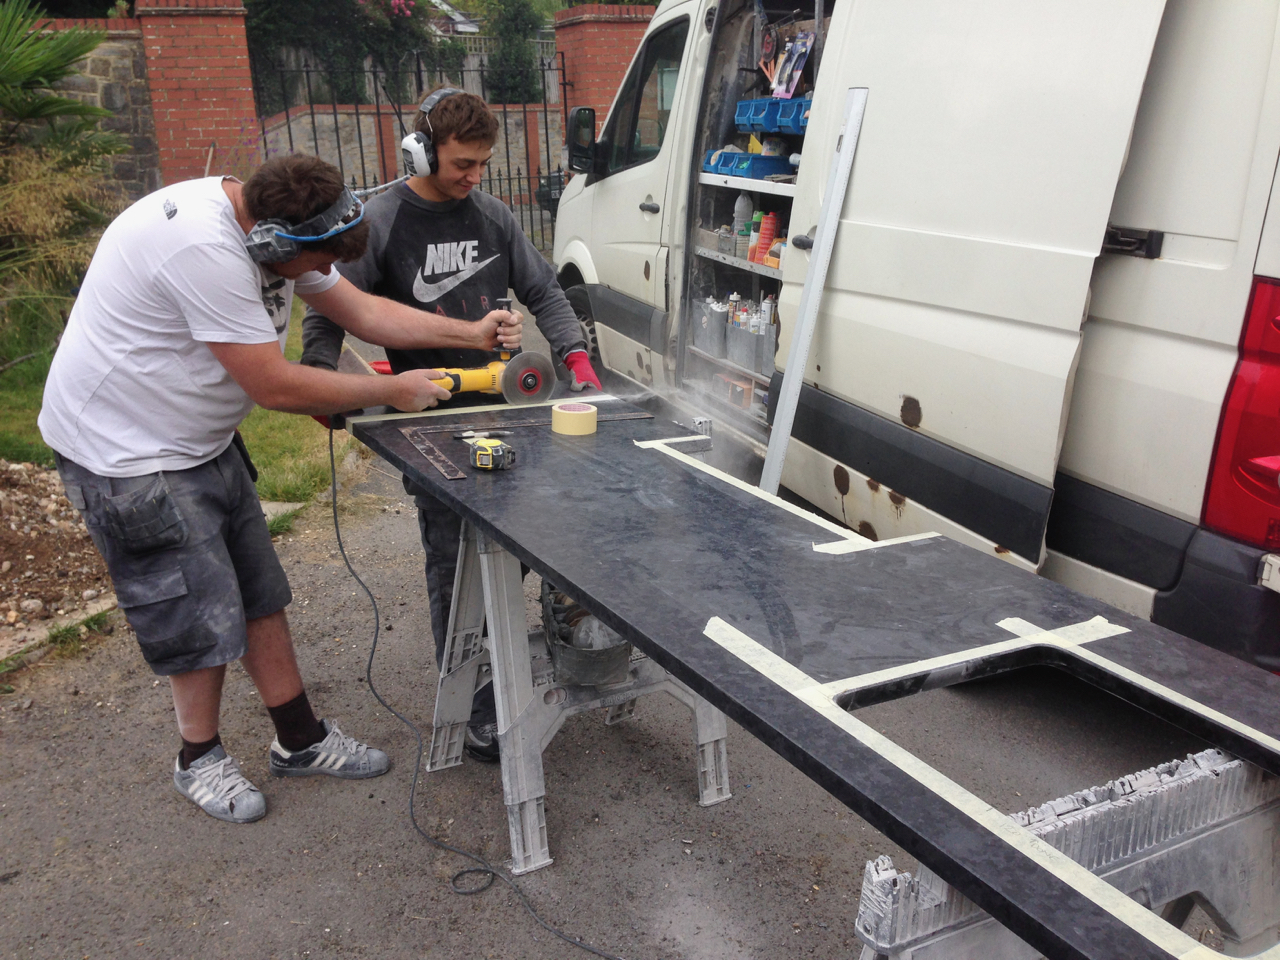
(712, 273)
(773, 187)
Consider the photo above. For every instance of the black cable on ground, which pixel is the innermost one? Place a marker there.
(483, 867)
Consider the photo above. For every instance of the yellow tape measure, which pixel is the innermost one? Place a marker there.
(488, 453)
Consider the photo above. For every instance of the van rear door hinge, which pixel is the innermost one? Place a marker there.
(1133, 243)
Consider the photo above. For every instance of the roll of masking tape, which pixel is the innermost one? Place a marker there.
(573, 419)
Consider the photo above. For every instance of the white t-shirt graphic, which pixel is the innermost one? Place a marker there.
(133, 388)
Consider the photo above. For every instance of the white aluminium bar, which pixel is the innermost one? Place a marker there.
(855, 104)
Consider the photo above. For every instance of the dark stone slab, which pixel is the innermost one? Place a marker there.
(656, 548)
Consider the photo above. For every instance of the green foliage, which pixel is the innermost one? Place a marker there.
(54, 202)
(31, 62)
(282, 522)
(21, 390)
(512, 74)
(339, 35)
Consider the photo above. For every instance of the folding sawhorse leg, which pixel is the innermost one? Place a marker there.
(488, 588)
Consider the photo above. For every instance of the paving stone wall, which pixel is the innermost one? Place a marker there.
(114, 77)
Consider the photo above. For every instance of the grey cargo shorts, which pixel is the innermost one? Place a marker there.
(189, 555)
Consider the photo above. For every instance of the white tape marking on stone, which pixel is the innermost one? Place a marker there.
(1029, 635)
(812, 694)
(841, 547)
(1072, 637)
(748, 488)
(849, 541)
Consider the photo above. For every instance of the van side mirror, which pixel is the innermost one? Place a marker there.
(582, 139)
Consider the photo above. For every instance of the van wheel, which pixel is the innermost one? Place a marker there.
(581, 303)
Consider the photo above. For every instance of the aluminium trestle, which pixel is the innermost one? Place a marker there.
(531, 705)
(1201, 831)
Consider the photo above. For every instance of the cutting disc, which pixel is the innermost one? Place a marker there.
(528, 378)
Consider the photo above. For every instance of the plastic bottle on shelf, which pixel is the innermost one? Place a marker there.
(754, 242)
(743, 211)
(735, 302)
(744, 243)
(768, 228)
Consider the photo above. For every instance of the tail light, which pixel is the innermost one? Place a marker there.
(1243, 500)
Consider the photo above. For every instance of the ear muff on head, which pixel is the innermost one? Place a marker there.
(277, 241)
(419, 157)
(418, 149)
(266, 245)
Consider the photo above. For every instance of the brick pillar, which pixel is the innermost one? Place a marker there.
(598, 41)
(201, 87)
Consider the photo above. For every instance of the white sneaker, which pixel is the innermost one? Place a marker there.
(336, 755)
(215, 784)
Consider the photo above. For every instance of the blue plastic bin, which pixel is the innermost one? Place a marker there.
(742, 115)
(756, 167)
(764, 115)
(727, 162)
(791, 115)
(707, 165)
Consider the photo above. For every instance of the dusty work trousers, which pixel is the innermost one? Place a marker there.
(441, 529)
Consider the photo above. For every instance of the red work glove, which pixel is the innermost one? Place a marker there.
(581, 375)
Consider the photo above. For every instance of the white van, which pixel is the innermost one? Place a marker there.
(1048, 329)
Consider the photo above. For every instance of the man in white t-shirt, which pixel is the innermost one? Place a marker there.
(178, 331)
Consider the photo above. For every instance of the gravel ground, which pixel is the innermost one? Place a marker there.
(48, 564)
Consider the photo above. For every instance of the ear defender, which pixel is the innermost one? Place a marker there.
(419, 158)
(278, 241)
(418, 149)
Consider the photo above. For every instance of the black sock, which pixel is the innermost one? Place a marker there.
(296, 724)
(191, 752)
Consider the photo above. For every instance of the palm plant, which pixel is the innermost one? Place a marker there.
(31, 62)
(53, 197)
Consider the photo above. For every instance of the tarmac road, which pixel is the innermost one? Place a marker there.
(99, 857)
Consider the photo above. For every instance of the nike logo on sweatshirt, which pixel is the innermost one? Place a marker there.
(447, 256)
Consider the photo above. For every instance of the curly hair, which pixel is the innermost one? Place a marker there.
(463, 116)
(296, 188)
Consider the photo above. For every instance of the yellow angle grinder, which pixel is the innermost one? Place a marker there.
(519, 377)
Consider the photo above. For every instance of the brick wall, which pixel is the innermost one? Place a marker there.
(598, 42)
(115, 77)
(201, 88)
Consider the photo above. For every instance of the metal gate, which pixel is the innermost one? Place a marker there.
(357, 119)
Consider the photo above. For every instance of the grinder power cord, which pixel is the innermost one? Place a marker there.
(486, 872)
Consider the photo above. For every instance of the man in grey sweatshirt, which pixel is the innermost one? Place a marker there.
(438, 243)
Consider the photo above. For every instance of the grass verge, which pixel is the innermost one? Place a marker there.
(282, 522)
(290, 452)
(65, 642)
(21, 388)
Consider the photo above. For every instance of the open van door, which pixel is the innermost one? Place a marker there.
(633, 166)
(994, 136)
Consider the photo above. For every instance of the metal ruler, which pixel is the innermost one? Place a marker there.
(434, 455)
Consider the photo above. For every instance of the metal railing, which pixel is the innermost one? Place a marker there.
(356, 119)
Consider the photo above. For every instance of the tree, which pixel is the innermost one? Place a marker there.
(512, 75)
(340, 36)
